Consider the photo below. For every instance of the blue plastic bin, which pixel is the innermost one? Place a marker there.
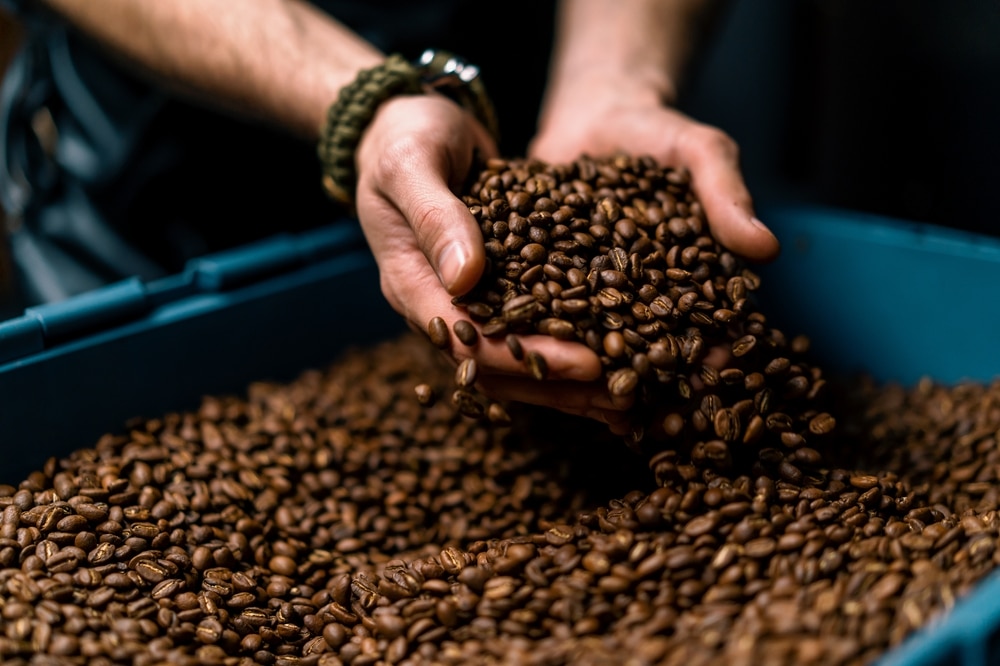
(894, 299)
(74, 370)
(899, 301)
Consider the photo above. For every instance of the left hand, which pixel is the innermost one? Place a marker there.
(604, 119)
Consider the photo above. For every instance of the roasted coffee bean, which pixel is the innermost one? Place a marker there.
(425, 394)
(614, 344)
(537, 365)
(521, 309)
(465, 375)
(822, 424)
(559, 329)
(466, 332)
(479, 311)
(438, 332)
(727, 424)
(468, 403)
(514, 345)
(743, 345)
(623, 382)
(497, 414)
(283, 565)
(495, 328)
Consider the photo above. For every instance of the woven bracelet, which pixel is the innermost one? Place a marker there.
(350, 114)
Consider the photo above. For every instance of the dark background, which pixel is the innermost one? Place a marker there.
(884, 107)
(10, 38)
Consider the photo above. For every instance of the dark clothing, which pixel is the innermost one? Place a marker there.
(107, 177)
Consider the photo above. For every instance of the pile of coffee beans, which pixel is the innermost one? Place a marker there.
(335, 520)
(343, 519)
(616, 254)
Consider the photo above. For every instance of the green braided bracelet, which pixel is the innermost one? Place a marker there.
(347, 118)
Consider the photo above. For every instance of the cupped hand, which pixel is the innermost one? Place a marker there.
(604, 124)
(412, 159)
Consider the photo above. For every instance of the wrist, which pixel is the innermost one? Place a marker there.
(635, 83)
(357, 102)
(599, 86)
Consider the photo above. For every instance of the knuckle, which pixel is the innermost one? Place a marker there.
(426, 222)
(400, 155)
(399, 162)
(714, 141)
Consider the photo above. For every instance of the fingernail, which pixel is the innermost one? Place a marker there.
(760, 225)
(763, 227)
(450, 263)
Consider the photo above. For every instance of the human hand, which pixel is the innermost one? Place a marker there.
(602, 120)
(412, 158)
(630, 118)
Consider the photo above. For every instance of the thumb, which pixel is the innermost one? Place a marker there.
(729, 209)
(447, 234)
(713, 160)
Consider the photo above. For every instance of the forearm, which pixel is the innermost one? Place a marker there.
(639, 47)
(280, 60)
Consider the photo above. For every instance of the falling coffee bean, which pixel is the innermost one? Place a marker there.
(466, 332)
(425, 394)
(438, 332)
(465, 375)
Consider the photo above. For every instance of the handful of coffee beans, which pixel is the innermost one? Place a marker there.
(616, 254)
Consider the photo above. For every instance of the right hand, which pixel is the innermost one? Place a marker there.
(412, 160)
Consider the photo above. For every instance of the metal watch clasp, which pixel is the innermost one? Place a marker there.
(441, 68)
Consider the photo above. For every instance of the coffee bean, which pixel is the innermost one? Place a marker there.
(465, 375)
(283, 565)
(521, 309)
(468, 403)
(151, 571)
(101, 554)
(466, 332)
(822, 424)
(494, 328)
(742, 346)
(497, 414)
(514, 345)
(479, 311)
(759, 548)
(727, 424)
(614, 344)
(438, 332)
(425, 394)
(537, 365)
(702, 524)
(864, 481)
(559, 329)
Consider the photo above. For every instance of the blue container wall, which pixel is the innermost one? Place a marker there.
(83, 367)
(897, 300)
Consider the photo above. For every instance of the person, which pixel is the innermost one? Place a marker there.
(139, 134)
